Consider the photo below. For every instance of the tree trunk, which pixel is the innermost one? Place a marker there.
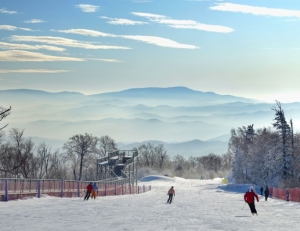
(74, 173)
(80, 170)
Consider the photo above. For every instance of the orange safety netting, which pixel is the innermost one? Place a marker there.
(293, 194)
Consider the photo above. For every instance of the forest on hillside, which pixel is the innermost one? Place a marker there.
(266, 156)
(263, 156)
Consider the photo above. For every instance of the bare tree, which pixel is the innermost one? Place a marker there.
(80, 146)
(16, 154)
(58, 169)
(106, 145)
(4, 113)
(211, 162)
(47, 161)
(179, 161)
(30, 162)
(146, 155)
(226, 161)
(161, 155)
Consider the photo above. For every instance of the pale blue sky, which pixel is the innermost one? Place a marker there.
(243, 48)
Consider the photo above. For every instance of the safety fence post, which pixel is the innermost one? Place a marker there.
(104, 189)
(122, 189)
(143, 188)
(39, 189)
(115, 188)
(62, 189)
(129, 188)
(6, 191)
(78, 189)
(138, 189)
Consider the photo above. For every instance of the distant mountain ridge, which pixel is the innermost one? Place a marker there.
(200, 121)
(174, 93)
(170, 94)
(187, 148)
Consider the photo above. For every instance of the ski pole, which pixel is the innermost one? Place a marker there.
(162, 197)
(264, 207)
(244, 206)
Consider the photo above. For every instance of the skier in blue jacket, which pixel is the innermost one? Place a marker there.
(95, 187)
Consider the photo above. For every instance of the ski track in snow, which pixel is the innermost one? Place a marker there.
(197, 205)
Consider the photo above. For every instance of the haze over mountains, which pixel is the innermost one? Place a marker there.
(184, 119)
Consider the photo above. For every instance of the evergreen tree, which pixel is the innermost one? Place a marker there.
(284, 131)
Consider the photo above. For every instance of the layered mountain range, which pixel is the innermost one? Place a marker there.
(186, 121)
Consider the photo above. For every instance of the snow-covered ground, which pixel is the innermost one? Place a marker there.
(198, 205)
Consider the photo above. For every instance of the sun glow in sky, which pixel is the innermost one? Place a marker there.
(243, 48)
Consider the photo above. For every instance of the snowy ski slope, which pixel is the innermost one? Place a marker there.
(198, 205)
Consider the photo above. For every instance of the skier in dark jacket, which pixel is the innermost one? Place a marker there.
(261, 190)
(287, 195)
(89, 190)
(171, 192)
(249, 198)
(266, 193)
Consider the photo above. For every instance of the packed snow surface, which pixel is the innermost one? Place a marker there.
(198, 205)
(156, 178)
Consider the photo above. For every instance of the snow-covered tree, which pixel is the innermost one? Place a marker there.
(285, 168)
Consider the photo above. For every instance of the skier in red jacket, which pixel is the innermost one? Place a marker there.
(249, 198)
(89, 189)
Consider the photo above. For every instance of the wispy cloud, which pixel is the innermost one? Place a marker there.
(34, 21)
(25, 71)
(9, 81)
(150, 16)
(26, 56)
(183, 24)
(163, 42)
(14, 46)
(147, 39)
(107, 60)
(63, 42)
(13, 28)
(122, 21)
(86, 32)
(264, 11)
(5, 11)
(88, 8)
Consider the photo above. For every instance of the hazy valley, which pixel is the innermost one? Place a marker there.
(188, 122)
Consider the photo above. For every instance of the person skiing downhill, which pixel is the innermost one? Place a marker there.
(89, 189)
(249, 198)
(170, 193)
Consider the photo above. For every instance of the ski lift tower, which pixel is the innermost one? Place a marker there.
(119, 164)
